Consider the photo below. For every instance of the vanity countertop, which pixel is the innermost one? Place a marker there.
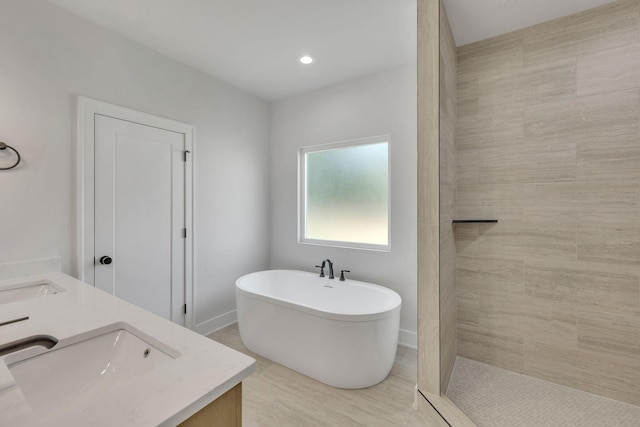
(167, 395)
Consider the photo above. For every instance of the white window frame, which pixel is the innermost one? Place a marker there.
(302, 193)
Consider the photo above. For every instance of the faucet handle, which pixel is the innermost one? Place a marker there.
(342, 274)
(321, 267)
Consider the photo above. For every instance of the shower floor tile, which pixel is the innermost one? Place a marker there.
(494, 397)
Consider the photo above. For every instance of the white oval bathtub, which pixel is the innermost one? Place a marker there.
(343, 334)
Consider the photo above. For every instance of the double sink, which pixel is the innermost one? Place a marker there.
(58, 377)
(27, 291)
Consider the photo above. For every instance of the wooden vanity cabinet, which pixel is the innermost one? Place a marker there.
(225, 411)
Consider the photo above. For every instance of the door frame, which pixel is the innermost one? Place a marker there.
(87, 108)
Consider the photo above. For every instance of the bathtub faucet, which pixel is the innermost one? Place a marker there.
(328, 261)
(321, 267)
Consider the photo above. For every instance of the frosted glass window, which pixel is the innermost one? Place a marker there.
(345, 194)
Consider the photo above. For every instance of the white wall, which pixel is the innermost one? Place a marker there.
(384, 103)
(47, 57)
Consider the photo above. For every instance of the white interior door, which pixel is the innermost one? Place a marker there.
(140, 215)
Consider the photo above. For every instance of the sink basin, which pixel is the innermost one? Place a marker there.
(27, 291)
(63, 379)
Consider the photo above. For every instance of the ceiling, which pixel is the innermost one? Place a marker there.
(254, 44)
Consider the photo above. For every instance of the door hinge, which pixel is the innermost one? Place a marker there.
(184, 233)
(185, 154)
(185, 309)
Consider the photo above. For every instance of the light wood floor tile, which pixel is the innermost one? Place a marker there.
(277, 396)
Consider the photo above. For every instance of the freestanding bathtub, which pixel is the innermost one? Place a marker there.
(343, 334)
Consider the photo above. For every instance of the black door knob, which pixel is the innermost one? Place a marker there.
(105, 260)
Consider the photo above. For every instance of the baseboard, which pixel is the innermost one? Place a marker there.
(212, 325)
(408, 339)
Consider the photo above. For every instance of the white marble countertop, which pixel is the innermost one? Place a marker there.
(167, 395)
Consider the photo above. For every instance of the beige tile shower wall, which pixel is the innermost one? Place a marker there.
(548, 142)
(448, 108)
(428, 195)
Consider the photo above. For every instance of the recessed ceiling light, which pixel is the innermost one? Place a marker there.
(306, 59)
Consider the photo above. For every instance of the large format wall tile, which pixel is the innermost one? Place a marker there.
(590, 31)
(491, 348)
(613, 243)
(548, 322)
(548, 82)
(490, 276)
(468, 305)
(476, 201)
(524, 240)
(590, 199)
(596, 116)
(522, 160)
(490, 127)
(500, 55)
(584, 285)
(447, 196)
(617, 378)
(466, 239)
(548, 143)
(609, 333)
(620, 152)
(609, 70)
